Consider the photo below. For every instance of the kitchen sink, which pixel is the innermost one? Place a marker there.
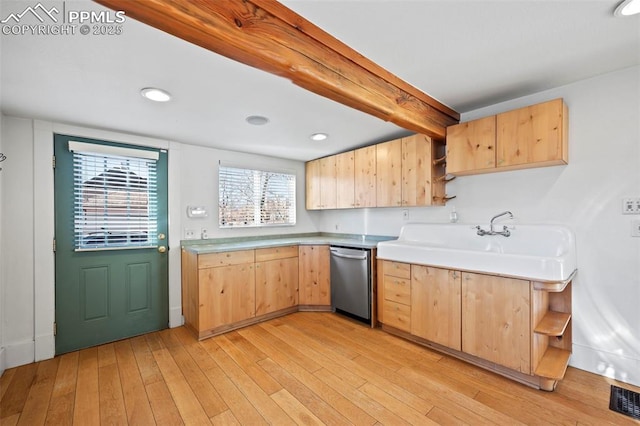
(544, 253)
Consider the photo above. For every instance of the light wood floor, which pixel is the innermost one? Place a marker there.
(305, 368)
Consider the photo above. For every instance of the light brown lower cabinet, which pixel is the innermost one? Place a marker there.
(227, 295)
(435, 305)
(518, 328)
(314, 277)
(496, 320)
(276, 279)
(228, 290)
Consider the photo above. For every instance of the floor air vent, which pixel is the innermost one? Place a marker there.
(625, 401)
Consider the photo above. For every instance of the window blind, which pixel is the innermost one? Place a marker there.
(115, 201)
(250, 197)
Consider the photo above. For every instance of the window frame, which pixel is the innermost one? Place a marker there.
(257, 185)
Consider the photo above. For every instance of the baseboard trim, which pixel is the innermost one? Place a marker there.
(607, 364)
(19, 354)
(175, 317)
(2, 361)
(45, 347)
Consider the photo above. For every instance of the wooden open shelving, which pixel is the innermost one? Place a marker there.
(553, 323)
(553, 364)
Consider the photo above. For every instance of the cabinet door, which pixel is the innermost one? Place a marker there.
(496, 320)
(365, 176)
(534, 134)
(435, 305)
(314, 279)
(389, 174)
(227, 295)
(328, 182)
(345, 177)
(312, 180)
(276, 285)
(416, 171)
(471, 146)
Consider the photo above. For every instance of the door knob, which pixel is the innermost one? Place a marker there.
(162, 249)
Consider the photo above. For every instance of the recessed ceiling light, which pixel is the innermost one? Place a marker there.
(319, 136)
(257, 120)
(155, 94)
(628, 8)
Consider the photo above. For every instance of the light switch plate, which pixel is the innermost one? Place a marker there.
(631, 205)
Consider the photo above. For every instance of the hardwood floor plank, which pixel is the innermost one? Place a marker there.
(394, 405)
(443, 417)
(87, 403)
(106, 355)
(421, 395)
(154, 341)
(165, 411)
(112, 410)
(17, 391)
(207, 395)
(326, 413)
(374, 409)
(324, 357)
(260, 400)
(11, 420)
(293, 353)
(295, 409)
(346, 408)
(242, 409)
(35, 408)
(226, 418)
(258, 375)
(149, 371)
(190, 409)
(250, 351)
(61, 406)
(5, 380)
(138, 409)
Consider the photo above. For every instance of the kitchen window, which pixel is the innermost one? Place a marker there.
(253, 197)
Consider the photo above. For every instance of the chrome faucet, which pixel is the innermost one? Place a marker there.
(505, 232)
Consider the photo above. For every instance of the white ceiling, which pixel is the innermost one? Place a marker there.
(466, 54)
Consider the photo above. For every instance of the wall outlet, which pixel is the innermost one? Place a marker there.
(189, 234)
(631, 205)
(204, 233)
(635, 228)
(405, 214)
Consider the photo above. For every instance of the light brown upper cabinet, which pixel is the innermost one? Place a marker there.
(389, 174)
(533, 136)
(312, 181)
(406, 173)
(345, 180)
(471, 146)
(365, 176)
(321, 183)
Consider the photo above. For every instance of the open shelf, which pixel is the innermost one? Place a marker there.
(553, 323)
(553, 364)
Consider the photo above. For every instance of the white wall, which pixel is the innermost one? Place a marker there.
(2, 351)
(27, 223)
(586, 195)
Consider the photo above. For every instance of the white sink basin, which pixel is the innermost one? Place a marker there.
(534, 252)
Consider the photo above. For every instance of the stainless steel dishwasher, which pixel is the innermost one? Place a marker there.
(350, 281)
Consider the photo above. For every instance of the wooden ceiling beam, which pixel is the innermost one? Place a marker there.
(267, 35)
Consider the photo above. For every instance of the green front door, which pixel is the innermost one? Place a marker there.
(111, 260)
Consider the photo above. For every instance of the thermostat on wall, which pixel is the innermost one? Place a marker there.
(196, 211)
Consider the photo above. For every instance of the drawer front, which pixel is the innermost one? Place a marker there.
(397, 269)
(397, 315)
(262, 255)
(213, 260)
(397, 289)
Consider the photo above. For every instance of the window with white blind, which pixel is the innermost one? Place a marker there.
(115, 197)
(250, 197)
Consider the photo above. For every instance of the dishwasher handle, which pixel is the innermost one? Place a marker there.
(336, 253)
